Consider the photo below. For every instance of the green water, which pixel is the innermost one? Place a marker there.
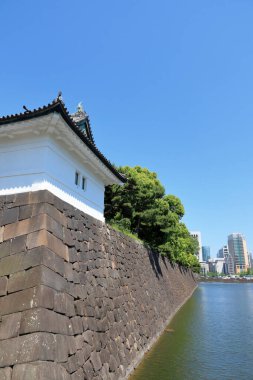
(212, 338)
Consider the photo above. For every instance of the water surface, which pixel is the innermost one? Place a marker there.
(211, 338)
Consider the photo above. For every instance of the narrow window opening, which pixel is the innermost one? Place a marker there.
(83, 183)
(77, 178)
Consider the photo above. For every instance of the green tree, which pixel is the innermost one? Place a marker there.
(141, 207)
(125, 205)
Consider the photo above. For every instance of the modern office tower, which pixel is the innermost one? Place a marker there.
(229, 267)
(222, 252)
(238, 250)
(197, 235)
(250, 260)
(205, 253)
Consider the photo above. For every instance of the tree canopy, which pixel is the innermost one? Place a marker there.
(141, 206)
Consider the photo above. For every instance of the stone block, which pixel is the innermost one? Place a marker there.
(18, 244)
(97, 344)
(17, 199)
(10, 326)
(25, 279)
(25, 226)
(43, 320)
(52, 279)
(54, 227)
(51, 210)
(68, 237)
(105, 355)
(72, 344)
(12, 264)
(79, 342)
(81, 291)
(39, 296)
(92, 324)
(36, 276)
(113, 365)
(78, 375)
(61, 351)
(10, 215)
(64, 304)
(51, 260)
(72, 364)
(77, 325)
(1, 234)
(25, 212)
(86, 351)
(85, 324)
(42, 196)
(80, 358)
(95, 361)
(103, 325)
(40, 371)
(105, 371)
(5, 373)
(43, 237)
(80, 308)
(35, 223)
(3, 285)
(30, 259)
(68, 272)
(4, 247)
(89, 311)
(27, 348)
(88, 370)
(103, 339)
(88, 337)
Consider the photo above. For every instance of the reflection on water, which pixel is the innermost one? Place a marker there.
(211, 338)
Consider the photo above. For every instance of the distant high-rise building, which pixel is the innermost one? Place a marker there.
(229, 267)
(197, 235)
(205, 253)
(250, 260)
(222, 252)
(238, 250)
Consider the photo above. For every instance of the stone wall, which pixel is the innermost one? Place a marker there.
(77, 299)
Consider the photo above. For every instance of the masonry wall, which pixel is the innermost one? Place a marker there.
(77, 299)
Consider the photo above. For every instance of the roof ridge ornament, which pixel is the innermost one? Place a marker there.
(80, 114)
(79, 107)
(60, 98)
(26, 109)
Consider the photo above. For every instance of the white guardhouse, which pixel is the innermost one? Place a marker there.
(49, 149)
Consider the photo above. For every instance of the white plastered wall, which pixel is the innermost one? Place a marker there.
(38, 163)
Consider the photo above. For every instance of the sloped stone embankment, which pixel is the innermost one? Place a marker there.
(77, 299)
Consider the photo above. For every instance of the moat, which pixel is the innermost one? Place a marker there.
(211, 338)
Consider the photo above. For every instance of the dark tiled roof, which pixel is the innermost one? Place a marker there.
(58, 106)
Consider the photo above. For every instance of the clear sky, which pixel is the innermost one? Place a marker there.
(168, 85)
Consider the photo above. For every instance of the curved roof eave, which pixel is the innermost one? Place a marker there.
(58, 106)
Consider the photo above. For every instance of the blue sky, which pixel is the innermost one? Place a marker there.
(168, 85)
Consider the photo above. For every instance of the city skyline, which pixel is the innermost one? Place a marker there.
(232, 258)
(213, 254)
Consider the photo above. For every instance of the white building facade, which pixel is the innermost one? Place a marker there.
(46, 149)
